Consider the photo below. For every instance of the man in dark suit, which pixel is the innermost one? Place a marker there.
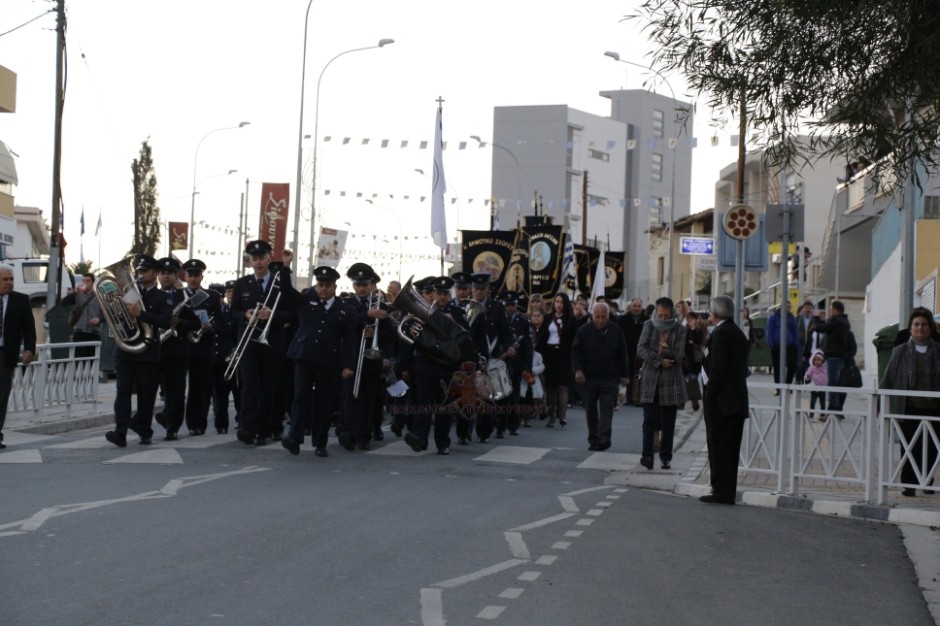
(726, 400)
(17, 328)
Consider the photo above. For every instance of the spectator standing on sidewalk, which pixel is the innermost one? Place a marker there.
(837, 346)
(816, 375)
(631, 324)
(725, 402)
(803, 323)
(662, 385)
(915, 366)
(599, 361)
(774, 323)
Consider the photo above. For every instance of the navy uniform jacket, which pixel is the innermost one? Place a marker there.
(213, 308)
(325, 337)
(156, 313)
(178, 346)
(519, 325)
(223, 338)
(496, 327)
(247, 296)
(413, 360)
(387, 329)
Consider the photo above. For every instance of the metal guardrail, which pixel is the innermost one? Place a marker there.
(862, 446)
(49, 382)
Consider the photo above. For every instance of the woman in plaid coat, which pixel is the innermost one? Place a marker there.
(662, 384)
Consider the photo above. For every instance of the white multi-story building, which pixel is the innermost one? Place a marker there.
(609, 179)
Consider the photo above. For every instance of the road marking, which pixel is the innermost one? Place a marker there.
(613, 497)
(595, 512)
(518, 455)
(529, 576)
(544, 522)
(84, 444)
(517, 545)
(610, 461)
(574, 533)
(511, 593)
(480, 573)
(491, 612)
(568, 504)
(561, 545)
(546, 559)
(160, 456)
(621, 490)
(603, 504)
(432, 608)
(584, 522)
(200, 442)
(14, 438)
(581, 492)
(21, 456)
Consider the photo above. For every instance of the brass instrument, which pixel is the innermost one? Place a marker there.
(236, 356)
(198, 297)
(433, 333)
(114, 290)
(197, 335)
(373, 352)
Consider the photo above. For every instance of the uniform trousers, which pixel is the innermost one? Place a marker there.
(258, 369)
(221, 389)
(508, 418)
(199, 393)
(316, 398)
(143, 376)
(359, 412)
(173, 374)
(430, 396)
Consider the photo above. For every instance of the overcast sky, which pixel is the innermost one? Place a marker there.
(175, 70)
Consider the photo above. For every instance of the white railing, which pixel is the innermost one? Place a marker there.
(862, 447)
(48, 381)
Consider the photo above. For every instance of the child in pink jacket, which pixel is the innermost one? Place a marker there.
(816, 375)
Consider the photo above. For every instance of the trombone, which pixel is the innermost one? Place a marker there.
(236, 356)
(373, 352)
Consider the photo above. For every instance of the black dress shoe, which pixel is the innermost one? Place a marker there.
(116, 438)
(647, 462)
(414, 443)
(463, 441)
(500, 435)
(261, 440)
(593, 447)
(364, 446)
(170, 437)
(716, 499)
(145, 441)
(604, 445)
(2, 445)
(907, 491)
(443, 451)
(321, 452)
(397, 429)
(484, 440)
(346, 440)
(221, 431)
(666, 465)
(277, 436)
(290, 445)
(244, 436)
(378, 435)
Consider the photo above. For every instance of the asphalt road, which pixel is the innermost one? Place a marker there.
(520, 531)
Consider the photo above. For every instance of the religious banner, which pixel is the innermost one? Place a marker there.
(613, 275)
(273, 226)
(487, 251)
(586, 259)
(516, 276)
(330, 246)
(179, 235)
(545, 252)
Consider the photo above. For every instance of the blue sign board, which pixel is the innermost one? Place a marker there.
(696, 245)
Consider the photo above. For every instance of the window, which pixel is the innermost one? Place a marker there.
(659, 119)
(656, 211)
(600, 156)
(34, 272)
(932, 208)
(656, 167)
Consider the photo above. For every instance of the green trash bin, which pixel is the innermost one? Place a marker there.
(884, 344)
(760, 353)
(106, 355)
(57, 320)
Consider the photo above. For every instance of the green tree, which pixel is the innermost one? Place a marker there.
(81, 268)
(146, 211)
(859, 75)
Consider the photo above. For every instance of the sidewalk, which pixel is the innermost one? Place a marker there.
(690, 477)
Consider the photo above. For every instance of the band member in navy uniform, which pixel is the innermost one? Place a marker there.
(358, 425)
(174, 353)
(260, 364)
(209, 314)
(520, 365)
(223, 342)
(461, 287)
(499, 339)
(284, 396)
(140, 371)
(324, 354)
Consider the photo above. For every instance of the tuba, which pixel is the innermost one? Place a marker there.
(434, 334)
(115, 287)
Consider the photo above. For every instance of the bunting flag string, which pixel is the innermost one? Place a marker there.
(670, 143)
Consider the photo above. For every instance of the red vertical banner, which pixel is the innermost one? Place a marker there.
(179, 236)
(273, 227)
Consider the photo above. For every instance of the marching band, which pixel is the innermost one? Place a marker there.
(430, 355)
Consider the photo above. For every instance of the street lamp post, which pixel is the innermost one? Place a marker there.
(300, 138)
(192, 207)
(672, 198)
(483, 144)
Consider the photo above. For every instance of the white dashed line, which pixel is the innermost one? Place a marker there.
(574, 533)
(613, 497)
(594, 512)
(603, 504)
(547, 559)
(584, 522)
(621, 490)
(491, 612)
(529, 576)
(561, 545)
(511, 593)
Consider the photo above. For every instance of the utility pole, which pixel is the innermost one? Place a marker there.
(741, 261)
(584, 209)
(54, 272)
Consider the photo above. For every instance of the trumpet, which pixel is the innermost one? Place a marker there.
(236, 355)
(373, 352)
(196, 299)
(197, 335)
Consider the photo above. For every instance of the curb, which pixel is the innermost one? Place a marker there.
(67, 425)
(871, 512)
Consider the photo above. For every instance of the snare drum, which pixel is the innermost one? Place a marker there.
(497, 375)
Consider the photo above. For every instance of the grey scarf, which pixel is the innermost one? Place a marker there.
(665, 326)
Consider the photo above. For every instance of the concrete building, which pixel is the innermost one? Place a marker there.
(8, 176)
(609, 179)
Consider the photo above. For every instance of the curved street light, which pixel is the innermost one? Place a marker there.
(192, 207)
(300, 138)
(672, 199)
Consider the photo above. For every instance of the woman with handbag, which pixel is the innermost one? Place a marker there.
(662, 384)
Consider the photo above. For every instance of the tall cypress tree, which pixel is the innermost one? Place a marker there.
(146, 211)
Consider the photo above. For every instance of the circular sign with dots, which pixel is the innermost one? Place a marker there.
(741, 222)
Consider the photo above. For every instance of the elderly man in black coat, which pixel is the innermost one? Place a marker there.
(17, 329)
(725, 400)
